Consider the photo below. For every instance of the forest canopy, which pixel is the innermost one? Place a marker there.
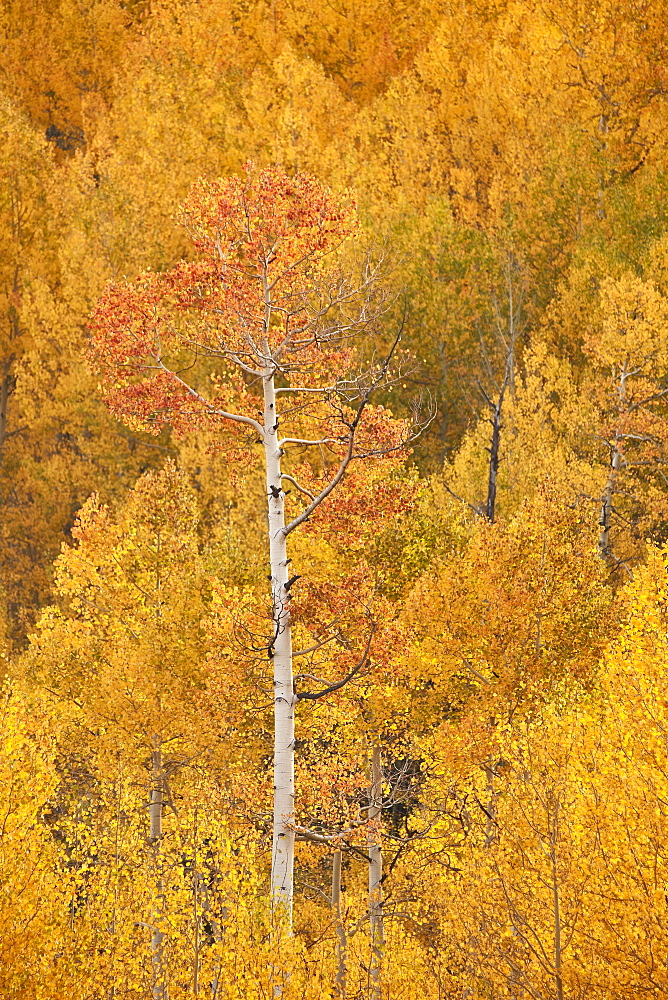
(333, 500)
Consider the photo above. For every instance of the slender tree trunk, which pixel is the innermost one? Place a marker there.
(155, 813)
(341, 943)
(280, 651)
(112, 926)
(376, 874)
(494, 449)
(509, 341)
(616, 464)
(490, 838)
(213, 929)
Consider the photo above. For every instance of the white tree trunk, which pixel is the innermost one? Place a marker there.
(375, 874)
(282, 864)
(341, 949)
(156, 805)
(616, 464)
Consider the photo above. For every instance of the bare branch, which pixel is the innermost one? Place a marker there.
(237, 417)
(476, 510)
(348, 457)
(473, 670)
(330, 840)
(316, 695)
(308, 443)
(302, 489)
(331, 486)
(301, 388)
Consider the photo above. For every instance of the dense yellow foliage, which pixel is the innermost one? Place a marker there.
(509, 163)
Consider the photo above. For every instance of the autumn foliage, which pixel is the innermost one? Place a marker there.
(249, 234)
(333, 444)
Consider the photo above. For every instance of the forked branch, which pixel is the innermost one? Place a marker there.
(363, 662)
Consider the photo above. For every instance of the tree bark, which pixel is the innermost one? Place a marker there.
(494, 449)
(508, 384)
(280, 651)
(341, 943)
(376, 875)
(616, 464)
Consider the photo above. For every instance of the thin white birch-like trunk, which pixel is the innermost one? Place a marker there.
(603, 132)
(494, 454)
(375, 875)
(616, 465)
(156, 806)
(216, 936)
(209, 930)
(341, 944)
(282, 865)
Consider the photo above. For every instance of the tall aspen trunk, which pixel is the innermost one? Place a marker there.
(196, 931)
(282, 863)
(156, 806)
(558, 979)
(341, 949)
(616, 464)
(111, 995)
(490, 838)
(216, 936)
(375, 875)
(508, 384)
(209, 929)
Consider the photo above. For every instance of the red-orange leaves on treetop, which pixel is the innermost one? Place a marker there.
(257, 297)
(257, 333)
(276, 217)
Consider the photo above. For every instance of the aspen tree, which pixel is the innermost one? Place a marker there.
(495, 380)
(341, 942)
(32, 914)
(126, 659)
(630, 349)
(25, 168)
(263, 314)
(522, 605)
(156, 807)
